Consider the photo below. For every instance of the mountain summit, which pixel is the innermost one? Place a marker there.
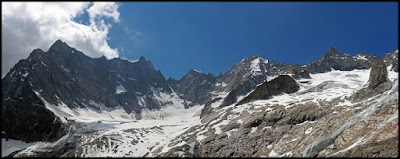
(64, 78)
(333, 59)
(65, 103)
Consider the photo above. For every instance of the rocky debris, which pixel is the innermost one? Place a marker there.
(229, 99)
(300, 114)
(318, 129)
(281, 84)
(378, 82)
(333, 59)
(386, 148)
(258, 131)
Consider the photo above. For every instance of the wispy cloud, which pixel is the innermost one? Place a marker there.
(133, 34)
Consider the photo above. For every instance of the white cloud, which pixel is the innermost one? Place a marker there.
(106, 9)
(30, 25)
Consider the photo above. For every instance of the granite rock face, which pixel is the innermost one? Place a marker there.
(25, 117)
(64, 75)
(378, 74)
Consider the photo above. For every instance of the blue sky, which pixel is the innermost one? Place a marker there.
(213, 36)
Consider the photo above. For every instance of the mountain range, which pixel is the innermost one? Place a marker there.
(53, 95)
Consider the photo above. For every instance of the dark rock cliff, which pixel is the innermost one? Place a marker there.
(65, 75)
(281, 84)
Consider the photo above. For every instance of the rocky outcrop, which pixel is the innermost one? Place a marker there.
(229, 99)
(378, 82)
(281, 84)
(296, 74)
(304, 74)
(378, 75)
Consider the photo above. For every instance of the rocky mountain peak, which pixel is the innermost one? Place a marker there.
(195, 86)
(250, 58)
(59, 46)
(103, 57)
(146, 64)
(331, 53)
(65, 75)
(333, 50)
(336, 60)
(246, 61)
(142, 58)
(171, 80)
(35, 53)
(254, 56)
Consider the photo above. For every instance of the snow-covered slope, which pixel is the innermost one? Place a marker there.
(176, 131)
(84, 107)
(120, 137)
(317, 120)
